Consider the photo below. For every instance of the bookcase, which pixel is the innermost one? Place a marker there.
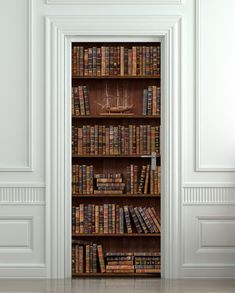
(116, 162)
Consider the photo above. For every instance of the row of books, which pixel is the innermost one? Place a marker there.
(115, 140)
(80, 101)
(116, 61)
(82, 179)
(89, 257)
(137, 181)
(113, 218)
(138, 262)
(151, 101)
(147, 182)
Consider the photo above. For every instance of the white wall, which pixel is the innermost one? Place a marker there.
(208, 144)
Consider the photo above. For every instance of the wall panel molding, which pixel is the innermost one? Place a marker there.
(209, 195)
(114, 2)
(29, 166)
(22, 195)
(200, 166)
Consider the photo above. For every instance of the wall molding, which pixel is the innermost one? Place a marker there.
(208, 196)
(115, 2)
(58, 32)
(199, 165)
(29, 166)
(22, 196)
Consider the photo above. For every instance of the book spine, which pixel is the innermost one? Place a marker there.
(86, 62)
(94, 61)
(101, 258)
(85, 94)
(81, 61)
(134, 61)
(128, 220)
(135, 219)
(146, 183)
(81, 208)
(103, 62)
(145, 229)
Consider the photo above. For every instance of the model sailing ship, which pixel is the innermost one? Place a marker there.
(116, 104)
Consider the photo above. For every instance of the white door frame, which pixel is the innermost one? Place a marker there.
(60, 32)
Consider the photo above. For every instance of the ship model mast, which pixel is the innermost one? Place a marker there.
(120, 107)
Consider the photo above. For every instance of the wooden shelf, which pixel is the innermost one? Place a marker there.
(119, 77)
(157, 274)
(117, 235)
(117, 195)
(117, 117)
(114, 156)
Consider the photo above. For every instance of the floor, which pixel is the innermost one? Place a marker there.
(118, 286)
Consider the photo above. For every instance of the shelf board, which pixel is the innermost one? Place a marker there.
(114, 156)
(119, 77)
(157, 274)
(117, 117)
(116, 235)
(117, 195)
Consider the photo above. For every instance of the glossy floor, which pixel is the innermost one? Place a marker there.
(118, 286)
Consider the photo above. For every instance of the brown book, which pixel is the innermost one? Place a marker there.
(146, 183)
(81, 100)
(103, 62)
(134, 61)
(81, 208)
(87, 258)
(122, 66)
(157, 223)
(114, 192)
(142, 179)
(128, 220)
(101, 258)
(81, 259)
(154, 100)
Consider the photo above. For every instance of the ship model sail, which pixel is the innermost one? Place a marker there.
(116, 104)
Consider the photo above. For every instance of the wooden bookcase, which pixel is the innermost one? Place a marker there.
(131, 86)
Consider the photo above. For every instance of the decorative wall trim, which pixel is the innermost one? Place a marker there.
(58, 126)
(199, 166)
(22, 196)
(29, 166)
(114, 2)
(208, 196)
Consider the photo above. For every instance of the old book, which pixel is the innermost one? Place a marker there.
(127, 219)
(146, 183)
(101, 258)
(135, 219)
(146, 220)
(81, 101)
(157, 223)
(142, 179)
(86, 100)
(142, 223)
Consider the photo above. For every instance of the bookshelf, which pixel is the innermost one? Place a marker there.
(116, 159)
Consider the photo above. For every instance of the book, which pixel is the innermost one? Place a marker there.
(101, 258)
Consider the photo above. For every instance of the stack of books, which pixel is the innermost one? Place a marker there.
(147, 183)
(109, 184)
(151, 101)
(147, 262)
(112, 218)
(120, 262)
(116, 61)
(80, 102)
(115, 140)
